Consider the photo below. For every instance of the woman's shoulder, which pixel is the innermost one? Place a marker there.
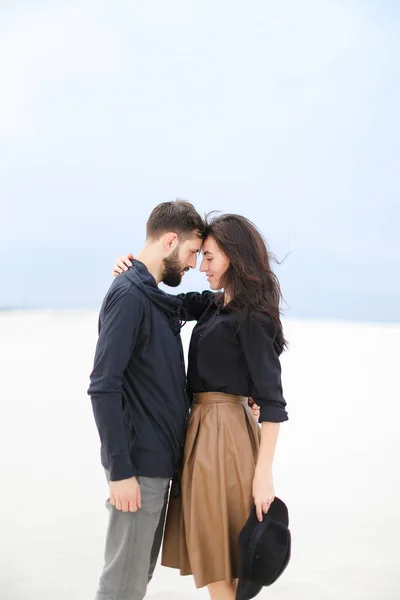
(255, 319)
(261, 323)
(263, 319)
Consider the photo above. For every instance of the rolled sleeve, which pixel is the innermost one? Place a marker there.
(264, 369)
(272, 414)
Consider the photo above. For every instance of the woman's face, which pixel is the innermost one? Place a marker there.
(214, 263)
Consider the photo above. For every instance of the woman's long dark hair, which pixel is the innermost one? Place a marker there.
(249, 280)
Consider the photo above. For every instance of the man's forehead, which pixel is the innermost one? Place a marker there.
(195, 243)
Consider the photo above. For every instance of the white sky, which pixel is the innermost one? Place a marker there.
(287, 112)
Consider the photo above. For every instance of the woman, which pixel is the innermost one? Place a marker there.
(233, 355)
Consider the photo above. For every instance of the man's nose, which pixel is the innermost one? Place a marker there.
(193, 261)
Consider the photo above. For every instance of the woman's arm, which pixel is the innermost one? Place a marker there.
(264, 367)
(263, 485)
(194, 304)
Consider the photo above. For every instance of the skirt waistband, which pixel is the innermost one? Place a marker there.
(219, 398)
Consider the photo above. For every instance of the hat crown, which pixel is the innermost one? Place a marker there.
(265, 546)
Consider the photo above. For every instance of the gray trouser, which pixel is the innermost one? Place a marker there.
(133, 543)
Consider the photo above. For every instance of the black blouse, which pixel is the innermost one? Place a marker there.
(225, 357)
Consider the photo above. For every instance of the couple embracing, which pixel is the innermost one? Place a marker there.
(157, 423)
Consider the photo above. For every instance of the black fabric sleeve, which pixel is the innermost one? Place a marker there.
(264, 368)
(118, 331)
(195, 304)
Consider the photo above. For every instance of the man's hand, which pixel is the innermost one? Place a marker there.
(254, 408)
(125, 494)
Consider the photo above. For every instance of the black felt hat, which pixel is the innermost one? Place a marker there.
(264, 550)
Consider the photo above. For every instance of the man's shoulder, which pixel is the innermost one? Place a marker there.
(123, 289)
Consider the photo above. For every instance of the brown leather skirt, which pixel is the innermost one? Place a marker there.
(205, 519)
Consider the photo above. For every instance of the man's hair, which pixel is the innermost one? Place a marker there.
(177, 216)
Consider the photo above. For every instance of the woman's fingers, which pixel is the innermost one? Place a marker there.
(122, 264)
(262, 507)
(117, 268)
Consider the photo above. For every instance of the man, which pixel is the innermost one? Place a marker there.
(138, 392)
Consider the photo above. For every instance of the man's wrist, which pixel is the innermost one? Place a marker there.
(121, 467)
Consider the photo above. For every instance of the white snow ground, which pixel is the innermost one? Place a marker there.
(336, 465)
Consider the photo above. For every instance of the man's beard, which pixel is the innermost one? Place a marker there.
(173, 269)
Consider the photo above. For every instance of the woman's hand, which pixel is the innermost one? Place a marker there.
(121, 264)
(263, 492)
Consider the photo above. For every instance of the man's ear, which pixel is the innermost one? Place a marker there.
(170, 242)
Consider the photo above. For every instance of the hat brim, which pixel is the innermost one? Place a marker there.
(279, 512)
(246, 590)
